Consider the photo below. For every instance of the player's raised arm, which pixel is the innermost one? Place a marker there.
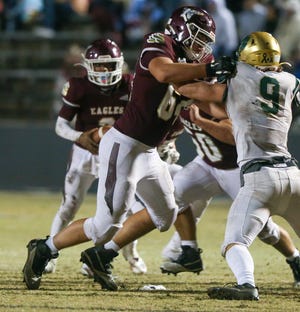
(203, 91)
(165, 70)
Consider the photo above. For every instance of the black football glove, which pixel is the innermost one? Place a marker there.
(222, 69)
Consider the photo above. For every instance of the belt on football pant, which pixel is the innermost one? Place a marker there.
(274, 162)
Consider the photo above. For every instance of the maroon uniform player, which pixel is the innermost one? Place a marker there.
(96, 100)
(213, 171)
(128, 159)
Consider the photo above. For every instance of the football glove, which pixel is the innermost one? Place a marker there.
(222, 69)
(167, 152)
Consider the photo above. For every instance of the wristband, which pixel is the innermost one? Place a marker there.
(100, 132)
(210, 70)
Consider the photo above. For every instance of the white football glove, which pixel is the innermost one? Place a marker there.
(168, 152)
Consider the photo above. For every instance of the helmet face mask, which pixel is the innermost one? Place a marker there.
(194, 30)
(199, 46)
(259, 49)
(103, 61)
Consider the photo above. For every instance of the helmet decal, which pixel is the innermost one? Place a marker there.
(259, 49)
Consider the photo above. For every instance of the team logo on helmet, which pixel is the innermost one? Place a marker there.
(259, 49)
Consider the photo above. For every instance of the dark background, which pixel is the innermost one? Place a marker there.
(33, 157)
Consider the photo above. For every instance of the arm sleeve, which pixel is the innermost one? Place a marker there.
(64, 130)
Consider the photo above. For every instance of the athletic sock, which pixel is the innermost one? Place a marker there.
(191, 243)
(241, 264)
(294, 255)
(112, 245)
(50, 244)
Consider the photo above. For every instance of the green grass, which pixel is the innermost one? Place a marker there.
(24, 216)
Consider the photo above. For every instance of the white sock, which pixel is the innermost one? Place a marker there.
(241, 264)
(50, 244)
(175, 240)
(294, 255)
(190, 243)
(112, 245)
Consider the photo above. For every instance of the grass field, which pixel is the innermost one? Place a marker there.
(24, 216)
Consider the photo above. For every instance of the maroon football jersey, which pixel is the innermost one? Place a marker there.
(214, 152)
(153, 106)
(93, 107)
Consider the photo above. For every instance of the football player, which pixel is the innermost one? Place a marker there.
(94, 102)
(128, 159)
(259, 102)
(214, 171)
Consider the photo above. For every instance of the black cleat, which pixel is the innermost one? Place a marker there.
(188, 261)
(236, 292)
(295, 266)
(99, 259)
(38, 256)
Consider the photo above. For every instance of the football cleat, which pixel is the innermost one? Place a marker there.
(137, 264)
(86, 271)
(50, 267)
(38, 257)
(99, 259)
(188, 261)
(235, 292)
(295, 266)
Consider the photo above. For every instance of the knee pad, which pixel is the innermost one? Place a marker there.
(99, 235)
(270, 234)
(198, 208)
(164, 222)
(182, 203)
(69, 207)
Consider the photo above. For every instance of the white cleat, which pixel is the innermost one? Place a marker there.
(137, 264)
(51, 266)
(86, 271)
